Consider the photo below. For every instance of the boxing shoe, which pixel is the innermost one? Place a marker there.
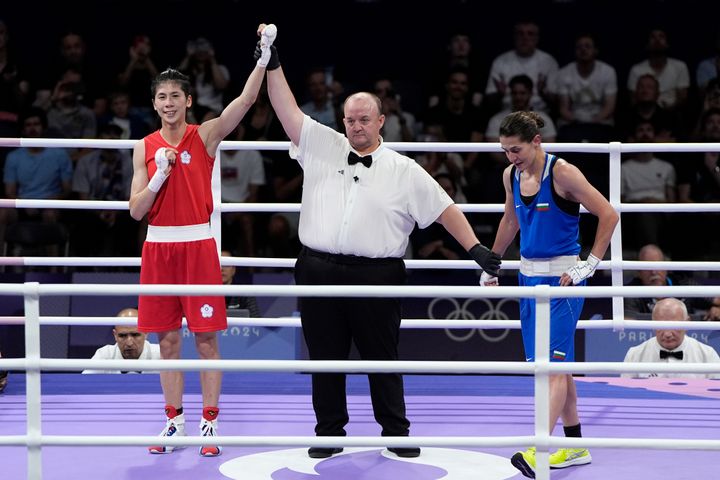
(174, 427)
(209, 429)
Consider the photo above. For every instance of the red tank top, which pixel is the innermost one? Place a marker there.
(186, 196)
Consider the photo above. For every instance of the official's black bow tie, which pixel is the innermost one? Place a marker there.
(666, 354)
(354, 158)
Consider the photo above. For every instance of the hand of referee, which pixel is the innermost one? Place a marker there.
(488, 260)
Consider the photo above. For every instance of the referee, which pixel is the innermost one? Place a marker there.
(360, 203)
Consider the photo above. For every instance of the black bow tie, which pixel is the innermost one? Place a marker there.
(354, 158)
(666, 354)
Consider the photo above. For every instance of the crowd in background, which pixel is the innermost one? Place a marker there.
(660, 98)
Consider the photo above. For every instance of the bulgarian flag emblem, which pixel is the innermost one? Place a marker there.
(543, 207)
(558, 355)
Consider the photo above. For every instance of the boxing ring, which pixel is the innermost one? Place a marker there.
(468, 424)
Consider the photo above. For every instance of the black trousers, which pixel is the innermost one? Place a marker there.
(330, 324)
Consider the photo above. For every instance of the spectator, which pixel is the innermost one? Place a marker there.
(130, 344)
(699, 177)
(710, 100)
(209, 79)
(708, 68)
(521, 91)
(524, 59)
(713, 313)
(320, 105)
(657, 277)
(282, 228)
(671, 346)
(14, 89)
(587, 92)
(283, 181)
(711, 96)
(282, 236)
(105, 174)
(443, 163)
(672, 74)
(234, 302)
(243, 173)
(646, 179)
(37, 172)
(125, 116)
(399, 125)
(67, 116)
(645, 107)
(434, 242)
(459, 54)
(134, 79)
(460, 119)
(14, 98)
(699, 181)
(73, 56)
(261, 124)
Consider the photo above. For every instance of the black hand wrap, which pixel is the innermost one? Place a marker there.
(488, 260)
(274, 61)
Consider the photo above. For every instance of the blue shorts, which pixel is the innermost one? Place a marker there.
(564, 315)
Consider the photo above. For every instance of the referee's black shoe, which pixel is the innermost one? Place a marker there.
(321, 452)
(411, 452)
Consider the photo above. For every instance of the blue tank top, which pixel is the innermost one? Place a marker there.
(546, 230)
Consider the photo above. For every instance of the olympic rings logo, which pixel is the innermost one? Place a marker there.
(464, 312)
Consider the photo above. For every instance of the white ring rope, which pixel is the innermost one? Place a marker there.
(384, 291)
(406, 323)
(295, 207)
(403, 146)
(290, 263)
(356, 366)
(541, 368)
(298, 441)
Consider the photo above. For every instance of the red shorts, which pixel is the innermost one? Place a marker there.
(181, 263)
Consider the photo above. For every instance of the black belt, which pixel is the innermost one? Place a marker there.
(349, 259)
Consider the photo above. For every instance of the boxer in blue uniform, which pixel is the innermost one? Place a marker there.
(543, 194)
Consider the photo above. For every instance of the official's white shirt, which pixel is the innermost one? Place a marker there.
(355, 210)
(693, 352)
(151, 351)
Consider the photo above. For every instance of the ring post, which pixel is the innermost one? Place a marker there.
(32, 385)
(616, 239)
(542, 382)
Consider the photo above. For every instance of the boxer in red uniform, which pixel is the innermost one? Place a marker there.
(172, 185)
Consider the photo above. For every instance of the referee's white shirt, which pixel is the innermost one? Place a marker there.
(693, 352)
(151, 351)
(355, 210)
